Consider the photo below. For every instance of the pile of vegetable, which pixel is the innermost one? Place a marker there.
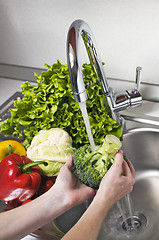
(51, 125)
(51, 104)
(26, 177)
(21, 179)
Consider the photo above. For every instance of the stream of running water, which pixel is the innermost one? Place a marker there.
(87, 124)
(126, 199)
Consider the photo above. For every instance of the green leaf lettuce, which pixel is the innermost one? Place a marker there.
(50, 104)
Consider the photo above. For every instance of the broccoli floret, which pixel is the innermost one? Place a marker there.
(91, 166)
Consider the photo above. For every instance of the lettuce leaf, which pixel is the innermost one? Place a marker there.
(50, 103)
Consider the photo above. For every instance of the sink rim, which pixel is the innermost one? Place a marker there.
(141, 129)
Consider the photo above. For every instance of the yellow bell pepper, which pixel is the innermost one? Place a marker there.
(11, 146)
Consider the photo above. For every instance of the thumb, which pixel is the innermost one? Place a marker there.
(118, 162)
(69, 163)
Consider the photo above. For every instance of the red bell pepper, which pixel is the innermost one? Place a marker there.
(20, 177)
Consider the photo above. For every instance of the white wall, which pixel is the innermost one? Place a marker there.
(33, 32)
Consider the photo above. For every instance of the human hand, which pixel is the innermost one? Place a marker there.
(74, 191)
(118, 181)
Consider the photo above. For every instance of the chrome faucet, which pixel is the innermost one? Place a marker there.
(117, 102)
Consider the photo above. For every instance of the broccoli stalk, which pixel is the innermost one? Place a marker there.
(91, 166)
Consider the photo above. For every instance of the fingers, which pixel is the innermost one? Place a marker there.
(125, 167)
(118, 163)
(131, 168)
(125, 170)
(129, 174)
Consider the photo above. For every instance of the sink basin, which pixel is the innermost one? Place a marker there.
(141, 146)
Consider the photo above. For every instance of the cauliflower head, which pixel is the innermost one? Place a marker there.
(53, 146)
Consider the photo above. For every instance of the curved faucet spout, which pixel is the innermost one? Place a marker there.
(117, 102)
(79, 29)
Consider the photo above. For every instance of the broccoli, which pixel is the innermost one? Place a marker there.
(91, 166)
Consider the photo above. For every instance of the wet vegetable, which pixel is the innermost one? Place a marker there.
(19, 178)
(51, 104)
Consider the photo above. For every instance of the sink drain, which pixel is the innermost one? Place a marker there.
(132, 224)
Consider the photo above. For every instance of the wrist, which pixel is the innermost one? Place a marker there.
(103, 202)
(55, 203)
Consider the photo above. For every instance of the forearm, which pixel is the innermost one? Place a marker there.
(19, 222)
(90, 223)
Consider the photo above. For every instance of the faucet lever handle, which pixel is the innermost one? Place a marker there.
(138, 78)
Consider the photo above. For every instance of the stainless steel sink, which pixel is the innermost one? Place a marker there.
(141, 146)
